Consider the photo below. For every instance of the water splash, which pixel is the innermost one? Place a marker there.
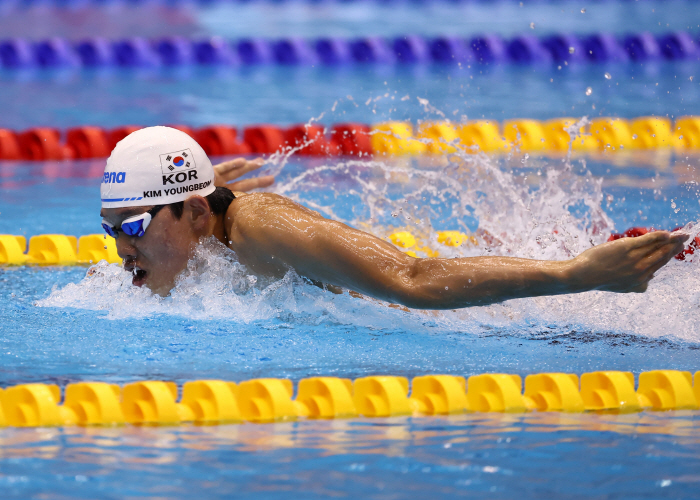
(544, 211)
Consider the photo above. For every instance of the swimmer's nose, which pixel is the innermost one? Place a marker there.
(125, 248)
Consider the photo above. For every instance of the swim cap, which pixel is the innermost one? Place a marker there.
(155, 166)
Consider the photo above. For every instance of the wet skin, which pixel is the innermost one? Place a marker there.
(272, 234)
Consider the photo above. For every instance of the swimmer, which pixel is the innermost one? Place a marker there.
(161, 196)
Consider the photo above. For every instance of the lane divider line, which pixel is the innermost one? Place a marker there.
(556, 49)
(600, 136)
(155, 402)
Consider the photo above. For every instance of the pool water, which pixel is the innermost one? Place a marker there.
(470, 456)
(290, 95)
(59, 326)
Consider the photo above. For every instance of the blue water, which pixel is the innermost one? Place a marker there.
(471, 456)
(284, 96)
(58, 327)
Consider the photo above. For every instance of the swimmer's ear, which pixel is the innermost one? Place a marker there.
(198, 212)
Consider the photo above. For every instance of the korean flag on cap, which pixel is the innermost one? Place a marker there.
(177, 162)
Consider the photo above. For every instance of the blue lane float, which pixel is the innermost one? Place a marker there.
(137, 52)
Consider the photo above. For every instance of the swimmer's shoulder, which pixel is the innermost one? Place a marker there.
(253, 210)
(245, 202)
(260, 203)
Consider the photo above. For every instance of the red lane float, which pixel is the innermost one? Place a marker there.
(311, 140)
(88, 142)
(264, 139)
(353, 139)
(634, 232)
(9, 145)
(41, 144)
(221, 140)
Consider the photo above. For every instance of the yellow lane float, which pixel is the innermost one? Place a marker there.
(155, 402)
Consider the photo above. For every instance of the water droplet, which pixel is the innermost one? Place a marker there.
(572, 50)
(583, 11)
(691, 78)
(634, 136)
(653, 135)
(608, 76)
(394, 214)
(589, 91)
(532, 26)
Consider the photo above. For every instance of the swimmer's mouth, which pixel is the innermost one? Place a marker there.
(139, 275)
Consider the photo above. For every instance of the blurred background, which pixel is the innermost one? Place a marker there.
(117, 62)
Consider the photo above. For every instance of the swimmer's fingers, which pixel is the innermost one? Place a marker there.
(233, 169)
(657, 255)
(238, 166)
(651, 242)
(250, 184)
(649, 264)
(659, 258)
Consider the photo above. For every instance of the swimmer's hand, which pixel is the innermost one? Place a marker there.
(227, 172)
(625, 265)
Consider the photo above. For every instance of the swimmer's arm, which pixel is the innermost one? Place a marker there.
(331, 252)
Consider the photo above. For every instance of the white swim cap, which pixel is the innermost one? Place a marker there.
(155, 166)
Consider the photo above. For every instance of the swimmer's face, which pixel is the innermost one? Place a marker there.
(157, 257)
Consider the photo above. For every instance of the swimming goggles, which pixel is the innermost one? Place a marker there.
(133, 226)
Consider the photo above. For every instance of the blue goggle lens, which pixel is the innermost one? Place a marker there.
(133, 228)
(109, 230)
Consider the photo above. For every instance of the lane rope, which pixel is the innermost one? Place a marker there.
(602, 135)
(272, 400)
(138, 52)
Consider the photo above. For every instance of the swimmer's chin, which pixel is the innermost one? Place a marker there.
(163, 291)
(142, 280)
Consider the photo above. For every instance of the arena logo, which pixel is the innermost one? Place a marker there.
(114, 177)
